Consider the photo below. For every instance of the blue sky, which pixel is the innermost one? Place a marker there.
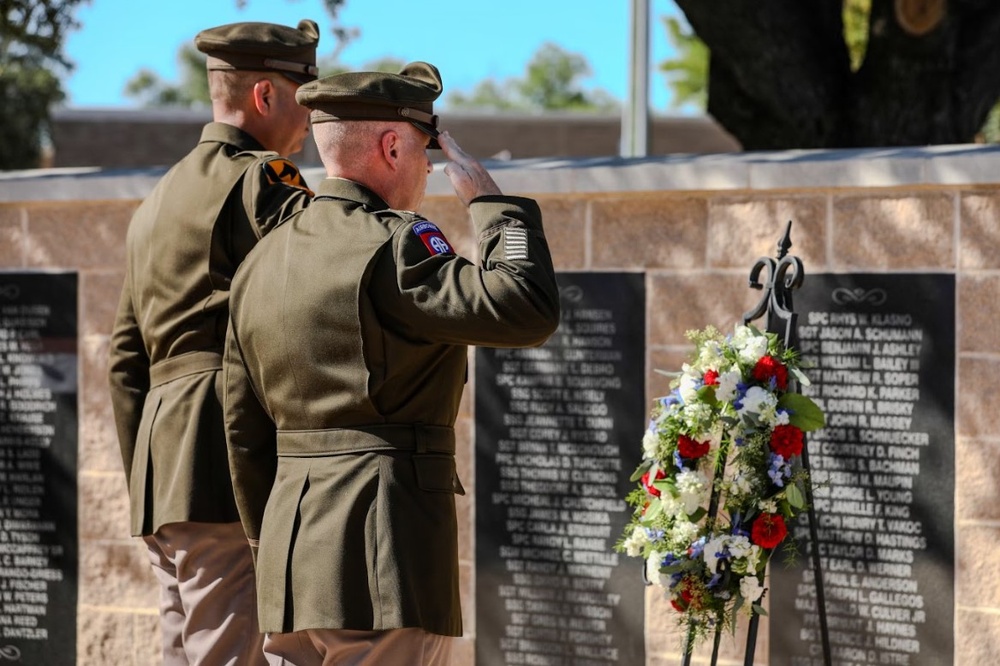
(468, 40)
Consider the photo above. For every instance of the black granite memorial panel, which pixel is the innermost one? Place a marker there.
(558, 432)
(884, 474)
(38, 461)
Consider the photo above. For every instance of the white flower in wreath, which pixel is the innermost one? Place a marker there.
(740, 485)
(653, 563)
(690, 383)
(713, 549)
(683, 533)
(758, 401)
(710, 355)
(636, 541)
(768, 506)
(672, 506)
(740, 336)
(755, 348)
(650, 441)
(726, 390)
(691, 486)
(751, 347)
(739, 546)
(696, 414)
(750, 588)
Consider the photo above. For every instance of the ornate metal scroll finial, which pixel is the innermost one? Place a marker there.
(784, 274)
(785, 244)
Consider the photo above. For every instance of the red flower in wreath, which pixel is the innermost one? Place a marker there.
(688, 596)
(682, 602)
(650, 488)
(768, 367)
(786, 441)
(690, 448)
(768, 530)
(711, 378)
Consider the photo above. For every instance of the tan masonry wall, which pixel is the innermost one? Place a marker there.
(693, 224)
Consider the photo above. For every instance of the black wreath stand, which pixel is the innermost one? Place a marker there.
(784, 274)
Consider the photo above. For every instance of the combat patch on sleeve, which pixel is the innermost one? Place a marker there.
(279, 170)
(432, 238)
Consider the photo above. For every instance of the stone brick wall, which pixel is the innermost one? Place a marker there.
(694, 225)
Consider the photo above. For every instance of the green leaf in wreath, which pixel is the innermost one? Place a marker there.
(640, 470)
(738, 605)
(706, 394)
(653, 510)
(698, 514)
(757, 608)
(801, 376)
(804, 415)
(794, 497)
(666, 486)
(671, 569)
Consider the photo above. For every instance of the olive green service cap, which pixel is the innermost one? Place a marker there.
(407, 96)
(263, 47)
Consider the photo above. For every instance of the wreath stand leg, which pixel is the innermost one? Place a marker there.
(776, 303)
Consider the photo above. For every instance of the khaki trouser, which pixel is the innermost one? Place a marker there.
(343, 647)
(208, 602)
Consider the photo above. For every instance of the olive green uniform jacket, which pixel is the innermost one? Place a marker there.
(345, 363)
(182, 248)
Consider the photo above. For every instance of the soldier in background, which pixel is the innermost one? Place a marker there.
(345, 363)
(183, 246)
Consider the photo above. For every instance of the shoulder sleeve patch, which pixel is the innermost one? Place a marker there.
(432, 238)
(279, 170)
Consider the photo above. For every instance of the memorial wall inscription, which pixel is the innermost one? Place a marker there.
(883, 351)
(38, 461)
(558, 431)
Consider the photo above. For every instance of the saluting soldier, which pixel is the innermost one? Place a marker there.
(182, 248)
(345, 363)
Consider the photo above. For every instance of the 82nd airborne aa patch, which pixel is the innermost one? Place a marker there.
(432, 238)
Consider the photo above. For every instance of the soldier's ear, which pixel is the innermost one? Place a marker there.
(390, 147)
(263, 96)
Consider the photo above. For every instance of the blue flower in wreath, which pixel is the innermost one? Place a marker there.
(779, 470)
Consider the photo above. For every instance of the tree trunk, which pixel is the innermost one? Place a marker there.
(780, 77)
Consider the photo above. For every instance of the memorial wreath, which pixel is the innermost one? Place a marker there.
(721, 476)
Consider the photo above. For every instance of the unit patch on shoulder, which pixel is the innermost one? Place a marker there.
(432, 238)
(280, 170)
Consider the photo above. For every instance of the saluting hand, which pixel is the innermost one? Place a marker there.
(469, 178)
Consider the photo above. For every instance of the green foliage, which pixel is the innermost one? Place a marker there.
(990, 133)
(31, 59)
(805, 414)
(550, 83)
(856, 14)
(150, 90)
(687, 74)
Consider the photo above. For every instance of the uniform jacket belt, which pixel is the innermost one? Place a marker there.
(186, 364)
(361, 439)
